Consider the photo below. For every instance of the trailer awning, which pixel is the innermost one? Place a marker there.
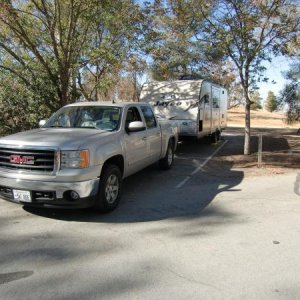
(171, 90)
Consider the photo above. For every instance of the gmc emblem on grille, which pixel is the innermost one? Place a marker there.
(23, 160)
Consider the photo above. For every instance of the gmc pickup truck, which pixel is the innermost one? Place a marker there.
(79, 157)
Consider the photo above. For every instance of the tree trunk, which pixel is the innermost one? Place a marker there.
(245, 84)
(247, 141)
(65, 83)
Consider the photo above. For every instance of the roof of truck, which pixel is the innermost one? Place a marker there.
(105, 103)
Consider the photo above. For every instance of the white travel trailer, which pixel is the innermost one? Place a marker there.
(198, 106)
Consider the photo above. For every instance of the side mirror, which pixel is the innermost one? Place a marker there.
(42, 123)
(136, 126)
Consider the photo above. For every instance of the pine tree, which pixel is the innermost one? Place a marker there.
(271, 103)
(290, 95)
(256, 100)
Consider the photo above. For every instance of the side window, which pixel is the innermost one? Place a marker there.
(149, 117)
(132, 115)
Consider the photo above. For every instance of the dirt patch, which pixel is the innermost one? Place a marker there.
(281, 144)
(281, 152)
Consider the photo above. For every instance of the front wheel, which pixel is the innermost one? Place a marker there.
(167, 162)
(109, 193)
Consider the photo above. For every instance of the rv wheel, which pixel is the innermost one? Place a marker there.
(214, 138)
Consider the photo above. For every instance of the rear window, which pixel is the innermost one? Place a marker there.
(149, 117)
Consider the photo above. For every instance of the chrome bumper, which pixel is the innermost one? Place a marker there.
(84, 189)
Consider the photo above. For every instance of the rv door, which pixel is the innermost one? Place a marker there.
(215, 116)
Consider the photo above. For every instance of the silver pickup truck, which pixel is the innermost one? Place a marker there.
(79, 157)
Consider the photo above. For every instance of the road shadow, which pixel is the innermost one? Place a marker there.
(152, 195)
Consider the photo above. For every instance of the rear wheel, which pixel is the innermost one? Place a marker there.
(109, 193)
(167, 162)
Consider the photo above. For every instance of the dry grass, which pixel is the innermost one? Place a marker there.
(259, 119)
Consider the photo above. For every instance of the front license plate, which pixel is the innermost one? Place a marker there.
(23, 196)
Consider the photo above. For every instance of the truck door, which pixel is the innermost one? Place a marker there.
(153, 134)
(136, 147)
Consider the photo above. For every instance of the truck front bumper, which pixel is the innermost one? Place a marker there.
(51, 194)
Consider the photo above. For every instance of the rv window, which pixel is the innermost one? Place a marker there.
(149, 117)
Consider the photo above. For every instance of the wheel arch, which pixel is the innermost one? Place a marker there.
(173, 140)
(117, 160)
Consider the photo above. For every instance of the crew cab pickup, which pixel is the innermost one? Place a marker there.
(79, 156)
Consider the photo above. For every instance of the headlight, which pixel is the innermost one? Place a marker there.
(75, 159)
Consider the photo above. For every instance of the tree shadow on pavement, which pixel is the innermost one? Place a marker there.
(153, 195)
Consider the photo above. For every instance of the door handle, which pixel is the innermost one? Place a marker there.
(144, 138)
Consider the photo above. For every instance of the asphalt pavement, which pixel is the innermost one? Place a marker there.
(193, 232)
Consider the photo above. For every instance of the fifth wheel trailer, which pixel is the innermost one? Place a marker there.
(198, 106)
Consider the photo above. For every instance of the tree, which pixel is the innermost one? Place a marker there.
(290, 95)
(112, 49)
(56, 43)
(255, 100)
(271, 103)
(20, 108)
(123, 84)
(249, 32)
(55, 49)
(170, 41)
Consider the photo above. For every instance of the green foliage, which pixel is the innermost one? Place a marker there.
(235, 95)
(255, 100)
(290, 95)
(53, 52)
(60, 51)
(20, 108)
(170, 40)
(271, 103)
(248, 33)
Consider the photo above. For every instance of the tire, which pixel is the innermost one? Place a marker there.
(167, 162)
(109, 193)
(214, 137)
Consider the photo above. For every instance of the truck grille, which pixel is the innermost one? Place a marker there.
(27, 159)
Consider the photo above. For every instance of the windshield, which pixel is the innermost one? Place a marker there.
(99, 117)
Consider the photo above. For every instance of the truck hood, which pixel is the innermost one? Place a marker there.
(63, 138)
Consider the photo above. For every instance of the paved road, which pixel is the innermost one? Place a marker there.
(219, 235)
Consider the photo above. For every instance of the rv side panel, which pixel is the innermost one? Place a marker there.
(197, 106)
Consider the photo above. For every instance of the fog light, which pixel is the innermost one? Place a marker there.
(74, 195)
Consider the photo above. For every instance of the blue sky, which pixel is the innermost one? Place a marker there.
(274, 72)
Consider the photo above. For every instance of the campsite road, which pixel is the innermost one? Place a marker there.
(218, 236)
